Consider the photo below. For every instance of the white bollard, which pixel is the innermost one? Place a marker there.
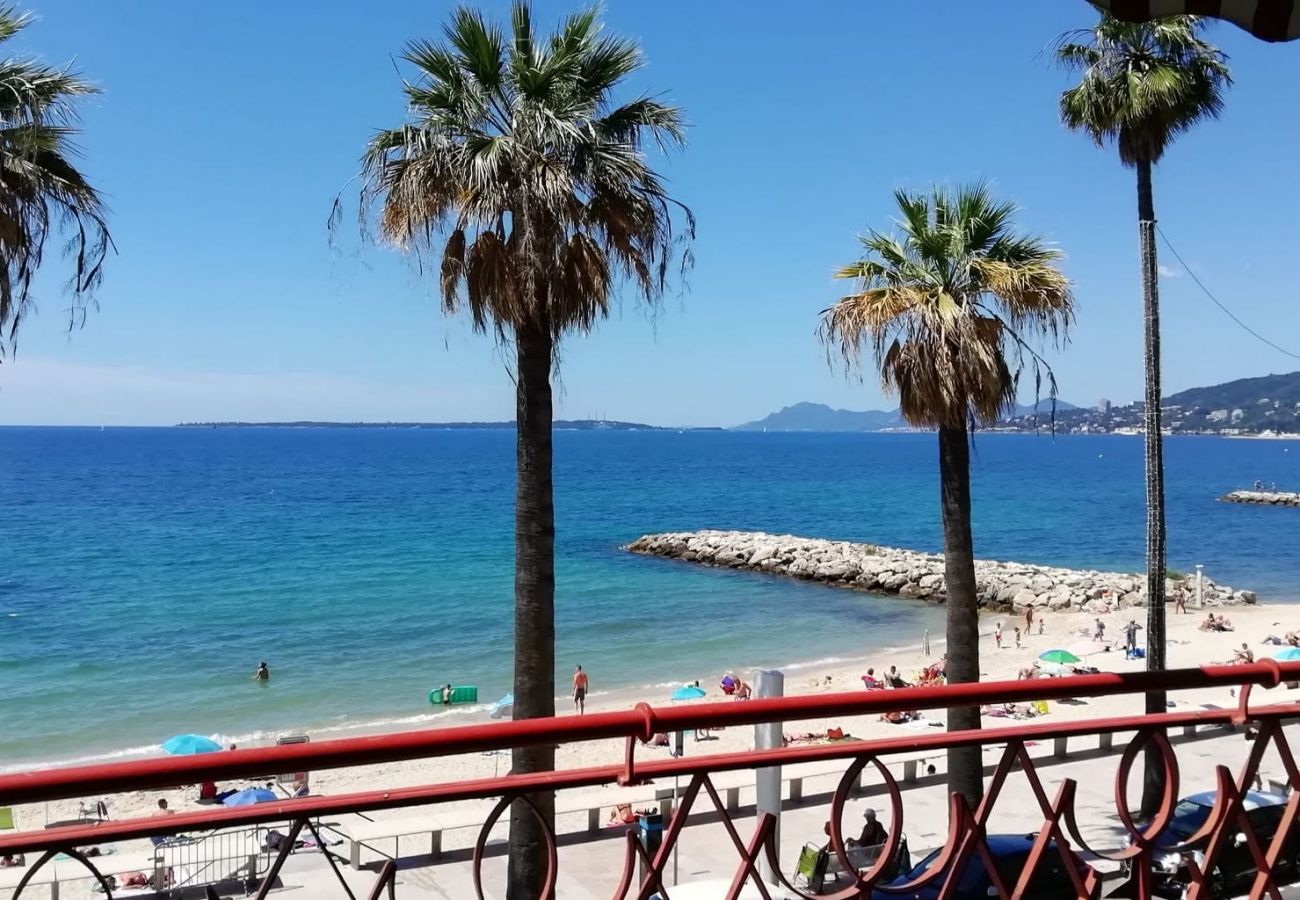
(767, 782)
(1200, 593)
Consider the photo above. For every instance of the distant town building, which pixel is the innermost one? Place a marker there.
(1219, 415)
(1238, 415)
(1103, 406)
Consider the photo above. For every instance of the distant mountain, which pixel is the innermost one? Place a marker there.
(1284, 390)
(820, 417)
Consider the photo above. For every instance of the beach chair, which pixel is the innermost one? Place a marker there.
(92, 812)
(811, 868)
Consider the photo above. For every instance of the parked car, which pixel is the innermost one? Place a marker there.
(1010, 851)
(1235, 868)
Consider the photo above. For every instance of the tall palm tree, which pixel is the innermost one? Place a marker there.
(42, 194)
(1143, 84)
(949, 306)
(519, 168)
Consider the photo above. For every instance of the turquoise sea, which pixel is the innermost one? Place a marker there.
(145, 572)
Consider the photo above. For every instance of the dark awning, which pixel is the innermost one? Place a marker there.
(1271, 20)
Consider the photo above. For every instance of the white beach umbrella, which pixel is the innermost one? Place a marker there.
(1269, 20)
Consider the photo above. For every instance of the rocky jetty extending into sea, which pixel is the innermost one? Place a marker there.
(888, 570)
(1267, 498)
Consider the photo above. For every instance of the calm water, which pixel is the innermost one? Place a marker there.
(145, 572)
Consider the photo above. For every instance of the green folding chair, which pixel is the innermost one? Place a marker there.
(811, 868)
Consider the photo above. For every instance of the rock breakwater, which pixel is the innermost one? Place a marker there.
(1268, 498)
(908, 573)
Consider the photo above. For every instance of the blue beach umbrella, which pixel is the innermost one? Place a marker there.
(689, 692)
(190, 744)
(1288, 654)
(249, 797)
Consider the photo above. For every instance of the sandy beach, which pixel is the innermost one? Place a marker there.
(1187, 647)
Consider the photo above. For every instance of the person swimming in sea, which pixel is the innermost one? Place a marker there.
(263, 673)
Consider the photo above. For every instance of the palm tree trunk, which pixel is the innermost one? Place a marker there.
(534, 598)
(965, 764)
(1153, 456)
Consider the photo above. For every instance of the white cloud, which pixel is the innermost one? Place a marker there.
(45, 391)
(1167, 272)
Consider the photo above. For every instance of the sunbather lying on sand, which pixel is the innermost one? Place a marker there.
(1008, 711)
(898, 717)
(1289, 638)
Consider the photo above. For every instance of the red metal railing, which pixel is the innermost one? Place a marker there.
(1272, 854)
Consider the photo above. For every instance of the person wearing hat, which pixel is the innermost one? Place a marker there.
(873, 833)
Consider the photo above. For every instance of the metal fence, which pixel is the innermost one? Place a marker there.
(1273, 857)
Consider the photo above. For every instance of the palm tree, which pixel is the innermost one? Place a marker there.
(518, 167)
(1142, 85)
(948, 307)
(42, 194)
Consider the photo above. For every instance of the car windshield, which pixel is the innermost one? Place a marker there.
(1188, 817)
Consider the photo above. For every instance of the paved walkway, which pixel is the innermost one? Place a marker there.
(590, 867)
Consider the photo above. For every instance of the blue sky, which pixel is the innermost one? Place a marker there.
(225, 130)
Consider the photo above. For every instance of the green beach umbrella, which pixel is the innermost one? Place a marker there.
(1064, 657)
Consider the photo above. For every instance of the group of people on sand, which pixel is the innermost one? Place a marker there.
(735, 687)
(1215, 623)
(930, 675)
(1018, 632)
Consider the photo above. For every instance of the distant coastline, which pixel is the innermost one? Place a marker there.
(560, 425)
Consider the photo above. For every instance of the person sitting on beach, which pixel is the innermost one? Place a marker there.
(894, 679)
(10, 860)
(1243, 656)
(873, 833)
(1224, 624)
(622, 815)
(262, 673)
(208, 792)
(743, 690)
(1029, 672)
(1208, 624)
(899, 716)
(871, 682)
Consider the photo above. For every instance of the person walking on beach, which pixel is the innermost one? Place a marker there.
(1180, 602)
(1029, 620)
(262, 673)
(580, 683)
(1099, 633)
(1131, 638)
(1017, 637)
(997, 635)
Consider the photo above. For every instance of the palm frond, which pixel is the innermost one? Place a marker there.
(948, 307)
(518, 167)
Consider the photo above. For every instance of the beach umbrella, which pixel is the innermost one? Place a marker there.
(1087, 648)
(1272, 20)
(689, 692)
(503, 707)
(250, 796)
(190, 744)
(1288, 654)
(1065, 657)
